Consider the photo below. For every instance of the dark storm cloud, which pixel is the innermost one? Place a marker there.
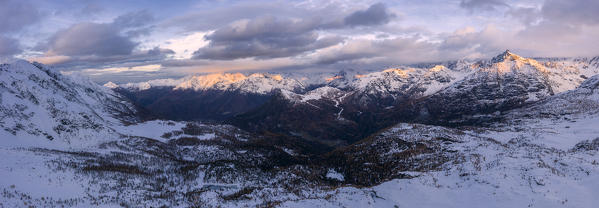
(264, 37)
(270, 37)
(134, 24)
(159, 51)
(100, 45)
(215, 17)
(488, 5)
(266, 26)
(90, 39)
(152, 56)
(377, 14)
(15, 14)
(148, 56)
(100, 39)
(9, 46)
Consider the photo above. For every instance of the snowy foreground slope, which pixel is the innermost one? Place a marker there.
(64, 142)
(484, 168)
(39, 102)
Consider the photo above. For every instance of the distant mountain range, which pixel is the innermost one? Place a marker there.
(343, 107)
(505, 132)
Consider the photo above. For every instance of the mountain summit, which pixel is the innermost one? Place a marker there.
(506, 55)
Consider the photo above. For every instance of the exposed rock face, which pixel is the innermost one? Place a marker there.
(582, 100)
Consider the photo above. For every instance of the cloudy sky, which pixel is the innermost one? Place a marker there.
(136, 40)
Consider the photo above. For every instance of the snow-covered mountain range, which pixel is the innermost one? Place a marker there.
(254, 83)
(505, 132)
(562, 74)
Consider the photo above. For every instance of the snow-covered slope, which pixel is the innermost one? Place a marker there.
(474, 168)
(580, 103)
(39, 105)
(506, 82)
(544, 155)
(325, 92)
(514, 75)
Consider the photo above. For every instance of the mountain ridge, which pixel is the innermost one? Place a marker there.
(40, 102)
(265, 82)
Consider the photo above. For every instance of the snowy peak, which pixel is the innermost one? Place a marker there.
(339, 79)
(111, 85)
(506, 56)
(342, 79)
(558, 75)
(507, 82)
(508, 62)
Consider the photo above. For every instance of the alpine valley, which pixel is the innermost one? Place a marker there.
(505, 132)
